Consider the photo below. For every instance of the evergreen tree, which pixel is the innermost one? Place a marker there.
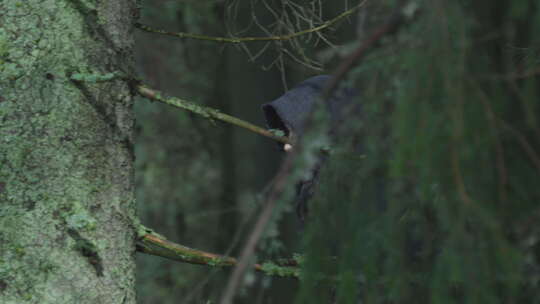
(439, 205)
(67, 207)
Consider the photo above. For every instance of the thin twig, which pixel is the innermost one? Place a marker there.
(390, 27)
(524, 143)
(206, 112)
(250, 39)
(500, 164)
(264, 217)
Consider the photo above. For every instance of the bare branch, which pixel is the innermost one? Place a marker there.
(278, 187)
(391, 26)
(155, 245)
(206, 112)
(183, 35)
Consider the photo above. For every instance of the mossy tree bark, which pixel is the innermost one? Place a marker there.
(66, 174)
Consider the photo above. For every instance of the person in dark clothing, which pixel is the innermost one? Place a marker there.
(289, 113)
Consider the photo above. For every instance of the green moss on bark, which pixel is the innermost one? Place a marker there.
(65, 154)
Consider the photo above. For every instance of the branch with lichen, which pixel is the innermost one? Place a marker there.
(207, 112)
(154, 244)
(97, 77)
(251, 39)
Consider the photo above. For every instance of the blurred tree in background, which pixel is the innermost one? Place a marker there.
(429, 196)
(196, 182)
(450, 126)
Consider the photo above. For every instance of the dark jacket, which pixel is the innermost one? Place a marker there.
(289, 112)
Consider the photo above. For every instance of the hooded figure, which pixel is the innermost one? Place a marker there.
(289, 112)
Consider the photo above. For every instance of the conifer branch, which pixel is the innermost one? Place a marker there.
(207, 112)
(183, 35)
(153, 244)
(405, 12)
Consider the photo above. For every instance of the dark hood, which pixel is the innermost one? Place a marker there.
(289, 112)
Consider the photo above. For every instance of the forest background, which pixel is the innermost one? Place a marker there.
(450, 116)
(428, 192)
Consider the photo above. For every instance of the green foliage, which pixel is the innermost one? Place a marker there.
(435, 211)
(282, 271)
(437, 206)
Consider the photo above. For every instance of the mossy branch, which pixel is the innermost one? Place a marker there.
(252, 39)
(156, 245)
(206, 112)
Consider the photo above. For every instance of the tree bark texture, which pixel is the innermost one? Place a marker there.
(66, 162)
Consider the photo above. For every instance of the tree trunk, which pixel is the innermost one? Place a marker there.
(66, 173)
